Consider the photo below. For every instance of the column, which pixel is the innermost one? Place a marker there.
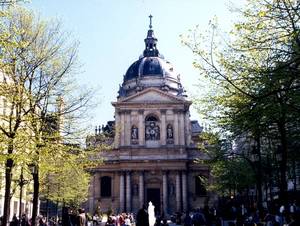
(122, 129)
(181, 128)
(184, 191)
(165, 193)
(141, 188)
(91, 195)
(163, 127)
(178, 192)
(176, 128)
(128, 192)
(141, 128)
(122, 191)
(127, 130)
(117, 130)
(187, 127)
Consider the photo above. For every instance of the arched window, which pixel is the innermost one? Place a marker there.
(105, 186)
(200, 189)
(152, 130)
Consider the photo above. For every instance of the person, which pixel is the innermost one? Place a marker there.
(198, 218)
(42, 221)
(294, 220)
(165, 222)
(81, 217)
(24, 220)
(14, 221)
(158, 222)
(178, 218)
(142, 217)
(187, 221)
(121, 220)
(127, 221)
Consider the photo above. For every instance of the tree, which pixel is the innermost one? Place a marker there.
(256, 73)
(4, 3)
(38, 61)
(232, 172)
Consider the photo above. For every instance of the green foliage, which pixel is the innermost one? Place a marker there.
(253, 76)
(44, 107)
(230, 172)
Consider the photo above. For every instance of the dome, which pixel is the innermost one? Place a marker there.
(150, 66)
(151, 70)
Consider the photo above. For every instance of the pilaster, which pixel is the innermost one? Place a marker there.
(122, 192)
(178, 192)
(181, 128)
(141, 188)
(122, 128)
(117, 129)
(141, 127)
(128, 192)
(184, 191)
(127, 130)
(163, 127)
(176, 128)
(165, 192)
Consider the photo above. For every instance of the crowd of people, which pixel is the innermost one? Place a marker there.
(228, 213)
(25, 221)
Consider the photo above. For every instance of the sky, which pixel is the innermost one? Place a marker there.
(111, 35)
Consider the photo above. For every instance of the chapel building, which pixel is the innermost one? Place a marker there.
(154, 143)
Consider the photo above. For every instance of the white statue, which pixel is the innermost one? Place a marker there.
(151, 214)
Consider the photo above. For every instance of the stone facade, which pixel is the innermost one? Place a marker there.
(154, 146)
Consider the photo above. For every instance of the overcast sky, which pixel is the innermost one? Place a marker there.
(111, 35)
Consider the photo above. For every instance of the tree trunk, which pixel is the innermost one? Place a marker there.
(35, 203)
(283, 163)
(259, 175)
(21, 183)
(8, 176)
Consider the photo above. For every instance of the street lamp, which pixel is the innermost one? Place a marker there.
(21, 183)
(32, 168)
(35, 175)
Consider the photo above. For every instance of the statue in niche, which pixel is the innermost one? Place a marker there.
(152, 131)
(169, 132)
(134, 133)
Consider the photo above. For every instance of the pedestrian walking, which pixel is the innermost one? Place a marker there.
(81, 217)
(142, 217)
(14, 221)
(187, 221)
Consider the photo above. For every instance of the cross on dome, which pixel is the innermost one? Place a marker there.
(150, 25)
(150, 42)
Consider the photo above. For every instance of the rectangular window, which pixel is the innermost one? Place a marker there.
(200, 189)
(105, 186)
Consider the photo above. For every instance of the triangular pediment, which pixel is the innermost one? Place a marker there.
(154, 96)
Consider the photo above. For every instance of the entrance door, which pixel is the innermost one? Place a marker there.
(153, 195)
